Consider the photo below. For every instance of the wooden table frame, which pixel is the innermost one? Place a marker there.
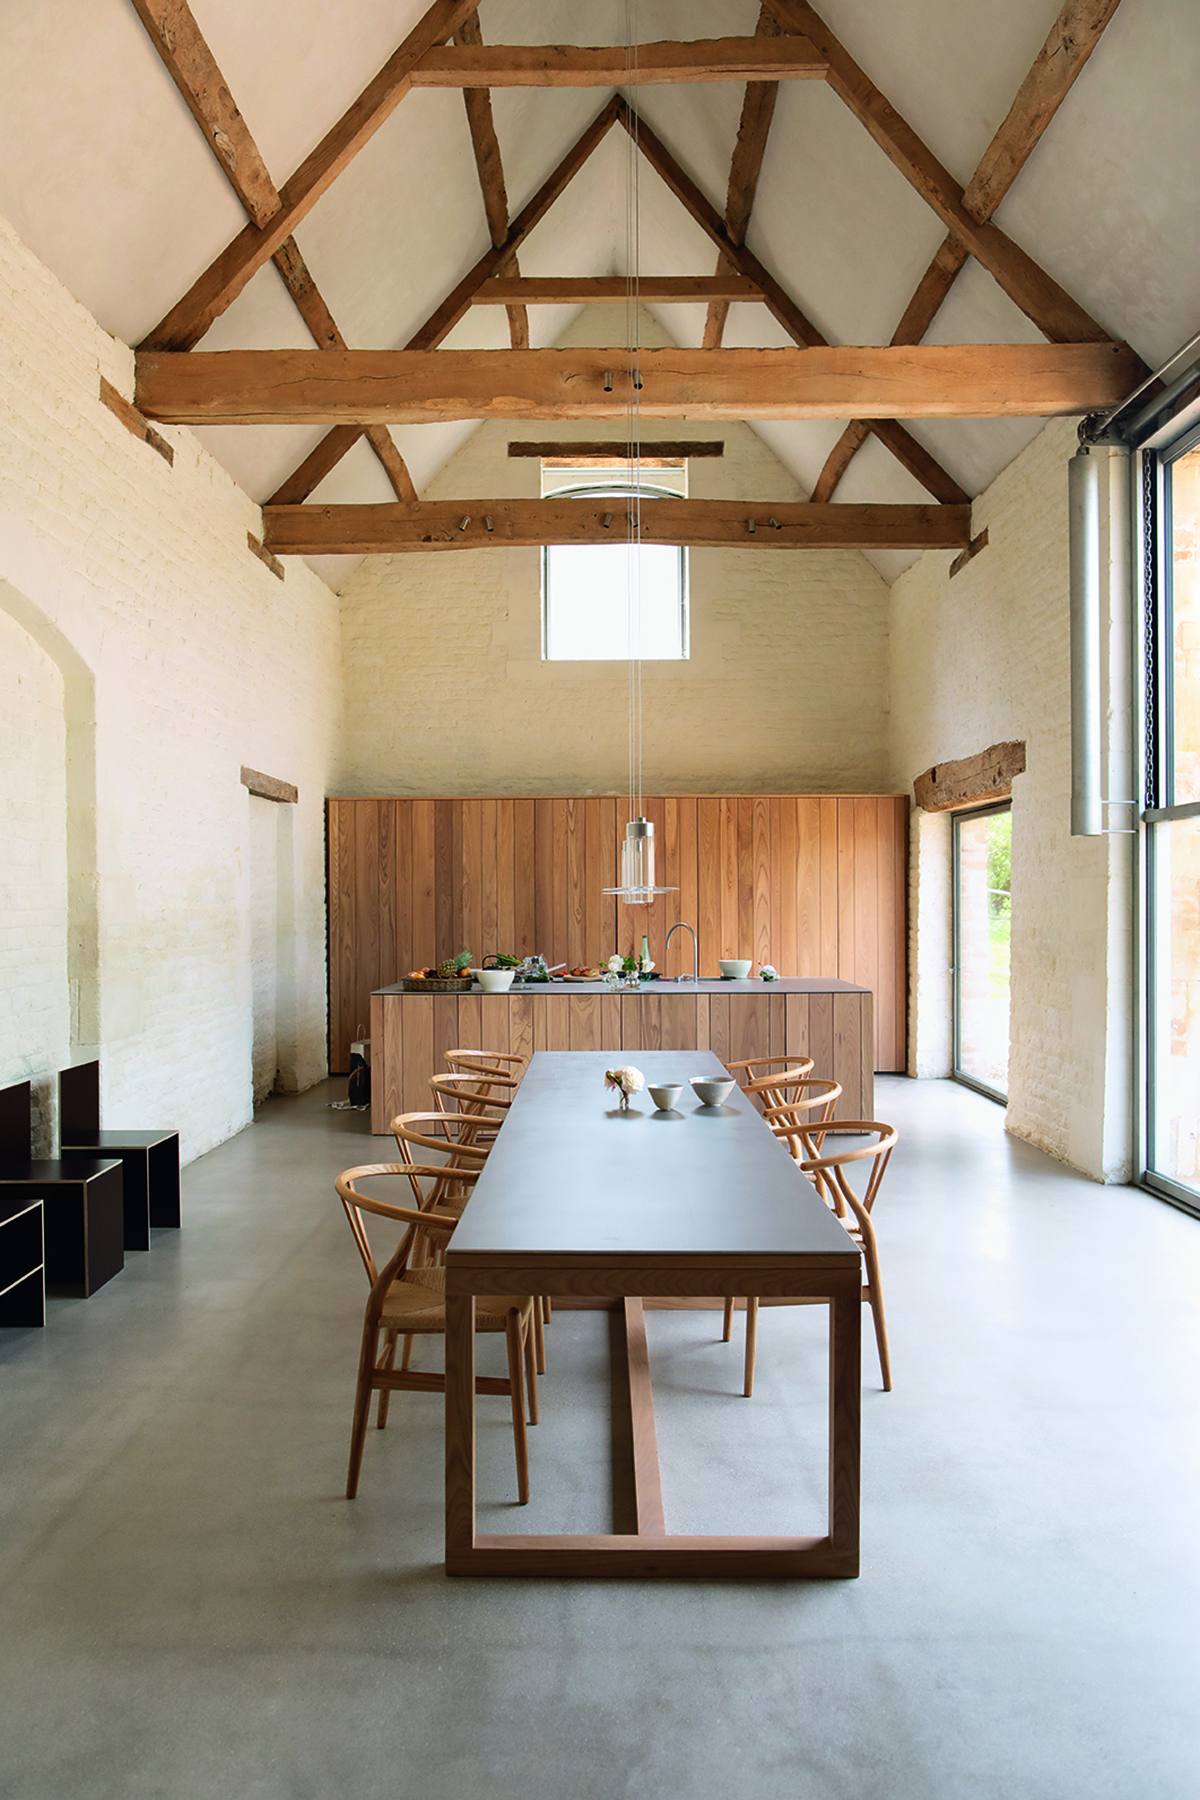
(652, 1551)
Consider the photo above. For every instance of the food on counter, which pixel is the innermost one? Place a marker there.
(454, 966)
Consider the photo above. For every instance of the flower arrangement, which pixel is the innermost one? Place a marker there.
(627, 1081)
(768, 972)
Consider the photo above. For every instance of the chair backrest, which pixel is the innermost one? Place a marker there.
(827, 1169)
(16, 1122)
(808, 1101)
(417, 1224)
(450, 1134)
(505, 1065)
(756, 1067)
(467, 1093)
(79, 1101)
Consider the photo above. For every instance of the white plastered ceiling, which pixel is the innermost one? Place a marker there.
(105, 174)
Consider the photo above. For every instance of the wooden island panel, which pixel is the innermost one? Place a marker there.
(815, 884)
(411, 1032)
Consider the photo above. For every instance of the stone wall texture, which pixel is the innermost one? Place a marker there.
(147, 655)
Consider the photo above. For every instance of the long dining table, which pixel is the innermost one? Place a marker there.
(586, 1202)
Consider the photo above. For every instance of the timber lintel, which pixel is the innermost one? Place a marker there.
(972, 780)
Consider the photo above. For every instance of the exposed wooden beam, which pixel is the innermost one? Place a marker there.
(133, 421)
(508, 524)
(579, 65)
(758, 109)
(840, 457)
(1038, 295)
(363, 387)
(175, 35)
(969, 554)
(180, 42)
(597, 290)
(259, 549)
(571, 455)
(269, 787)
(988, 775)
(326, 336)
(329, 452)
(779, 302)
(224, 279)
(486, 145)
(1073, 36)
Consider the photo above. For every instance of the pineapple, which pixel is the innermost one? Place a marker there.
(454, 966)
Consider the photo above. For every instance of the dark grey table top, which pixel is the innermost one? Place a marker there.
(570, 1174)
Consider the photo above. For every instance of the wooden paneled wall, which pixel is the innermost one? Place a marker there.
(814, 884)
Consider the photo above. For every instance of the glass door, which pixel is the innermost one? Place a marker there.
(982, 929)
(1173, 835)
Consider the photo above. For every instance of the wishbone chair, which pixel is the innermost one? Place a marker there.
(827, 1173)
(409, 1300)
(806, 1094)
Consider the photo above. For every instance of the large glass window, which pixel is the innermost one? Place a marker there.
(1173, 824)
(607, 602)
(982, 931)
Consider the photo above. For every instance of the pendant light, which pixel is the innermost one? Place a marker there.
(637, 886)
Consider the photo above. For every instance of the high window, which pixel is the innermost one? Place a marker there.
(1172, 758)
(982, 932)
(607, 602)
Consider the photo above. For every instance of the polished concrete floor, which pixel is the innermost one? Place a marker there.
(190, 1609)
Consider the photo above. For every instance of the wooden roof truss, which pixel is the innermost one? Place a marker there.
(792, 42)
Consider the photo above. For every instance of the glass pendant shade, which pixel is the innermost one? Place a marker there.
(637, 865)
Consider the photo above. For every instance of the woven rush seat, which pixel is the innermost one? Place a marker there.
(417, 1303)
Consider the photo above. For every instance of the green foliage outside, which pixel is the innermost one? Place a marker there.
(999, 886)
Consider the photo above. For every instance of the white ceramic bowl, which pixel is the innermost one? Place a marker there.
(712, 1090)
(736, 968)
(496, 981)
(665, 1097)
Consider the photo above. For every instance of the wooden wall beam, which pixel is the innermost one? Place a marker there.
(972, 780)
(577, 65)
(1073, 37)
(356, 388)
(133, 421)
(506, 524)
(269, 787)
(490, 168)
(221, 283)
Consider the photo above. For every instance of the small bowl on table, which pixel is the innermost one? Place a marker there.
(666, 1095)
(712, 1090)
(735, 968)
(496, 981)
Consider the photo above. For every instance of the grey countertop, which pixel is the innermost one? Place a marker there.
(786, 984)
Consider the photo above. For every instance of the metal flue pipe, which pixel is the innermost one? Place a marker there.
(1087, 787)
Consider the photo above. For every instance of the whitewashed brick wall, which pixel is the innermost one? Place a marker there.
(186, 658)
(976, 661)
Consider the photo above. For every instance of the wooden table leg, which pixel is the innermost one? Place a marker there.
(845, 1420)
(460, 1431)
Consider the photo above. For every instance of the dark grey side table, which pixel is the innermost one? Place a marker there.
(22, 1273)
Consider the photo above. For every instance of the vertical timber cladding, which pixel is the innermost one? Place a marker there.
(815, 884)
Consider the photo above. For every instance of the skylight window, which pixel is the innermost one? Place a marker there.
(606, 602)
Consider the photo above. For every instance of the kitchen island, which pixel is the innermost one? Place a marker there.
(832, 1021)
